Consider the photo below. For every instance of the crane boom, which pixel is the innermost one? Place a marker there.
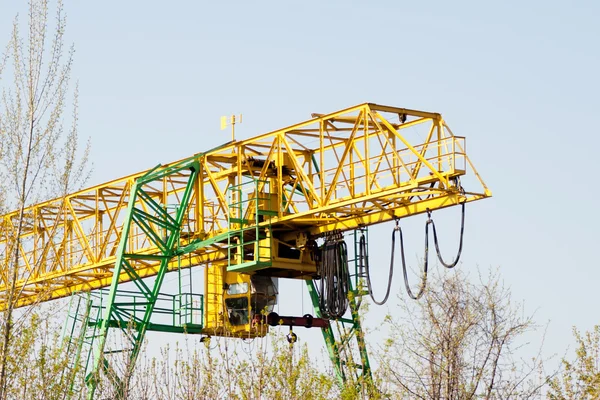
(247, 208)
(334, 172)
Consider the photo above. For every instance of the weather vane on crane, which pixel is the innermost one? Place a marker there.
(232, 120)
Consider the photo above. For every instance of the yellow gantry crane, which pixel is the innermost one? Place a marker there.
(248, 212)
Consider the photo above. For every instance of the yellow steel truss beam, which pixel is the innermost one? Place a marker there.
(359, 166)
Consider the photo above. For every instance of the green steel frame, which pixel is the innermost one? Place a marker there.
(248, 230)
(359, 276)
(124, 315)
(339, 342)
(346, 343)
(76, 335)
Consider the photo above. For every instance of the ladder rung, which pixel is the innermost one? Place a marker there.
(92, 337)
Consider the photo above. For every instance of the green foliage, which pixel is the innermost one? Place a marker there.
(37, 362)
(266, 368)
(580, 379)
(39, 158)
(458, 342)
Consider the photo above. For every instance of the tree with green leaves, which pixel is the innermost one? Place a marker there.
(460, 341)
(219, 368)
(580, 379)
(41, 156)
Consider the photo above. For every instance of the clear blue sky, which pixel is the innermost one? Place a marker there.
(518, 79)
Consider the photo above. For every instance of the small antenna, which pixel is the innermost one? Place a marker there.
(232, 120)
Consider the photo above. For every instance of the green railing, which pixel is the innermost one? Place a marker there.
(250, 210)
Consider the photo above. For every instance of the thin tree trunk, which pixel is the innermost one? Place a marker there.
(10, 301)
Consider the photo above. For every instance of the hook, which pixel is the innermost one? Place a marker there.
(291, 337)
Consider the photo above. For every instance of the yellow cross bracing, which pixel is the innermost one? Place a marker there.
(356, 167)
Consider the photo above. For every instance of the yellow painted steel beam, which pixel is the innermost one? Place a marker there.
(355, 167)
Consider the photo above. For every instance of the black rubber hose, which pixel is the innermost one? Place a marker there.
(425, 262)
(362, 249)
(335, 278)
(460, 245)
(342, 278)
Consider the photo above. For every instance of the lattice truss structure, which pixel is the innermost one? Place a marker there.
(357, 167)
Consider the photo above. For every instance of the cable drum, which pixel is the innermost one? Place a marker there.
(335, 278)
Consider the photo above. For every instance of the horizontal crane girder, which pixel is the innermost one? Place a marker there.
(359, 166)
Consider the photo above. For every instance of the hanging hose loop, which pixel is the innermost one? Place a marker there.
(363, 251)
(425, 266)
(435, 238)
(423, 285)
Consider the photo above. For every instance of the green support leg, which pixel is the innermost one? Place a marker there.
(328, 336)
(340, 348)
(161, 229)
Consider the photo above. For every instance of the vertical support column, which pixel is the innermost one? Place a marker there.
(364, 378)
(321, 169)
(439, 129)
(328, 336)
(367, 115)
(161, 229)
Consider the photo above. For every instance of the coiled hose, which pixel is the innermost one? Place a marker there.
(335, 278)
(425, 262)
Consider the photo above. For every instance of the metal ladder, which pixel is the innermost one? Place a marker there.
(344, 337)
(79, 332)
